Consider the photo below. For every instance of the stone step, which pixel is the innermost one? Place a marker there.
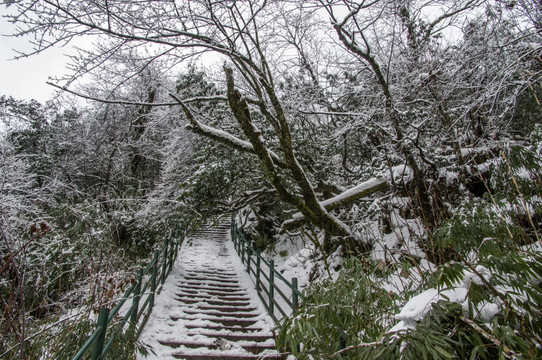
(205, 266)
(232, 280)
(234, 336)
(217, 282)
(246, 329)
(227, 309)
(218, 317)
(187, 356)
(222, 320)
(214, 288)
(239, 314)
(211, 292)
(204, 296)
(254, 348)
(228, 294)
(212, 282)
(212, 273)
(211, 301)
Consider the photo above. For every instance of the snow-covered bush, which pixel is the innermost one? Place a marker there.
(336, 314)
(478, 297)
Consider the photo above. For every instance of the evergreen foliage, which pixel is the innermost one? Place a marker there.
(336, 314)
(312, 98)
(490, 245)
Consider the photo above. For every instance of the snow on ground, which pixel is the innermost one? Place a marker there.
(160, 326)
(292, 258)
(295, 258)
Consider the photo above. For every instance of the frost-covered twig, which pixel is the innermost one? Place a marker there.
(507, 352)
(352, 347)
(137, 103)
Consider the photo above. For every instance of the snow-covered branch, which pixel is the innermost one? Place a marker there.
(362, 190)
(137, 103)
(220, 135)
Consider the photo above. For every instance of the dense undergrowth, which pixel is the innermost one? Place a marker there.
(482, 298)
(307, 101)
(68, 245)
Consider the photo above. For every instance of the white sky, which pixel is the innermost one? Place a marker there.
(25, 78)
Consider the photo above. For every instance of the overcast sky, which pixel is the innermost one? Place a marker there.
(25, 78)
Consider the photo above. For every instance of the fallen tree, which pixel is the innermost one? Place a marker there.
(399, 174)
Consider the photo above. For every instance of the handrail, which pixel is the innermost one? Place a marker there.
(266, 281)
(160, 266)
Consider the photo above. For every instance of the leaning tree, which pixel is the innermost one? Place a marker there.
(392, 50)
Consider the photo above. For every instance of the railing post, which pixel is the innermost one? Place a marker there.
(99, 344)
(137, 296)
(295, 299)
(243, 243)
(164, 263)
(236, 237)
(176, 232)
(177, 244)
(258, 264)
(153, 278)
(271, 287)
(249, 254)
(232, 227)
(171, 255)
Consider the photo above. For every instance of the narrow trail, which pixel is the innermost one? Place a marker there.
(208, 308)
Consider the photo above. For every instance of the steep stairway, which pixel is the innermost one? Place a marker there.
(208, 308)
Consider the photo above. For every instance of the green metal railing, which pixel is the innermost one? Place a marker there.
(280, 296)
(157, 271)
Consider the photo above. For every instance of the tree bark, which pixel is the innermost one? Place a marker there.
(307, 204)
(362, 190)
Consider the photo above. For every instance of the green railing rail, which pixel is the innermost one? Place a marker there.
(149, 283)
(280, 296)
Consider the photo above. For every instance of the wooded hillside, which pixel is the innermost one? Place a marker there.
(400, 136)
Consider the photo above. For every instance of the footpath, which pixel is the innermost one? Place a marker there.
(208, 308)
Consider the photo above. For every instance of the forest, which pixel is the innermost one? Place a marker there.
(398, 140)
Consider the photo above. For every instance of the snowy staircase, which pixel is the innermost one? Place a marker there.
(205, 312)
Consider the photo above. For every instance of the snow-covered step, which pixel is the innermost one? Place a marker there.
(212, 295)
(226, 321)
(214, 274)
(216, 278)
(251, 346)
(224, 356)
(213, 301)
(233, 329)
(228, 309)
(232, 336)
(209, 308)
